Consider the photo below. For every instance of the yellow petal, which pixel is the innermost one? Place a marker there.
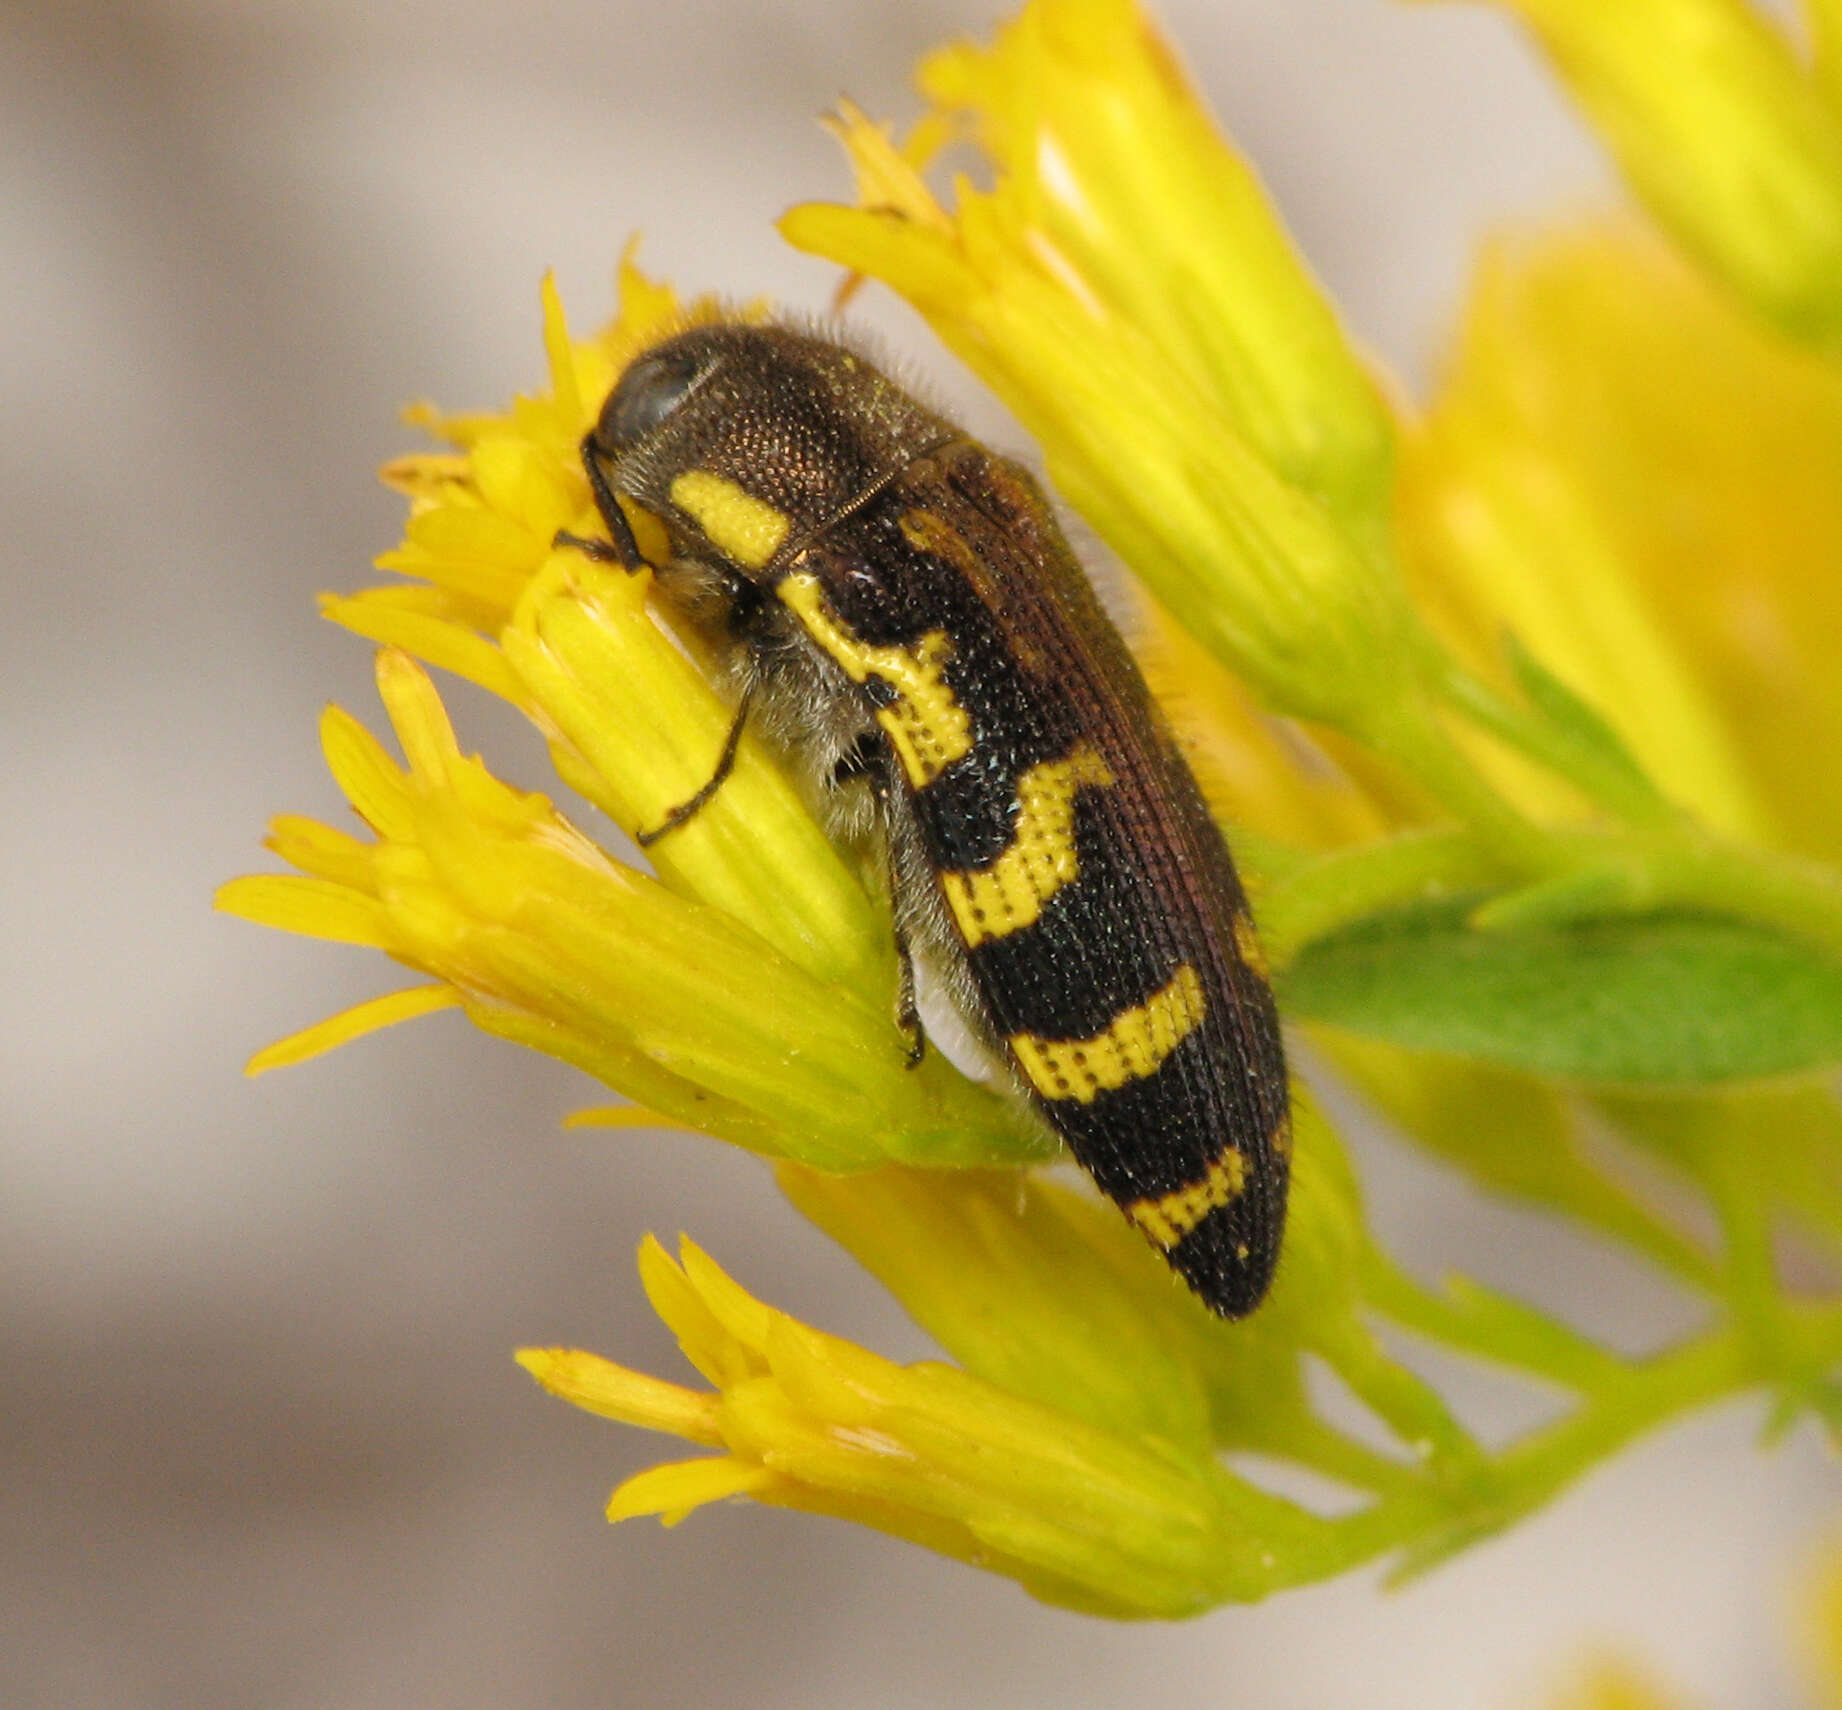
(673, 1490)
(373, 783)
(321, 851)
(418, 717)
(744, 1318)
(521, 480)
(702, 1336)
(424, 475)
(314, 908)
(647, 306)
(599, 1386)
(353, 1023)
(437, 641)
(623, 1116)
(564, 382)
(888, 177)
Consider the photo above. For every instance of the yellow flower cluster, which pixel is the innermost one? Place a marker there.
(1627, 467)
(745, 988)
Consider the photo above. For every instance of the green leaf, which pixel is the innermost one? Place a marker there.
(1662, 999)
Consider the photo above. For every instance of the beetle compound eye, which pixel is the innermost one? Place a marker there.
(647, 394)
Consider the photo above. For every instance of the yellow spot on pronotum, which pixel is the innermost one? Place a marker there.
(1129, 1050)
(734, 522)
(1008, 895)
(1170, 1217)
(926, 726)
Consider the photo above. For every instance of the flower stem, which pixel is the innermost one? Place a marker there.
(1440, 1518)
(1412, 736)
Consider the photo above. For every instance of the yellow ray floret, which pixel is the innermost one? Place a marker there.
(1171, 1216)
(1130, 1050)
(353, 1023)
(925, 725)
(1078, 1509)
(1009, 895)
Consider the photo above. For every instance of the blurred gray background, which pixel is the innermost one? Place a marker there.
(261, 1439)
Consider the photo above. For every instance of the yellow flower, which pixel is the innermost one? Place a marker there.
(1609, 1683)
(1095, 1520)
(748, 987)
(1613, 1685)
(1731, 143)
(1126, 289)
(545, 939)
(1128, 292)
(1820, 1624)
(1619, 468)
(1642, 483)
(1075, 1447)
(1114, 175)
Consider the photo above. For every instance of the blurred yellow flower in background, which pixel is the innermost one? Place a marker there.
(1612, 1682)
(1636, 475)
(1524, 708)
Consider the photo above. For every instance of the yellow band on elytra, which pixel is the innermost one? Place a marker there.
(1131, 1049)
(1009, 895)
(925, 724)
